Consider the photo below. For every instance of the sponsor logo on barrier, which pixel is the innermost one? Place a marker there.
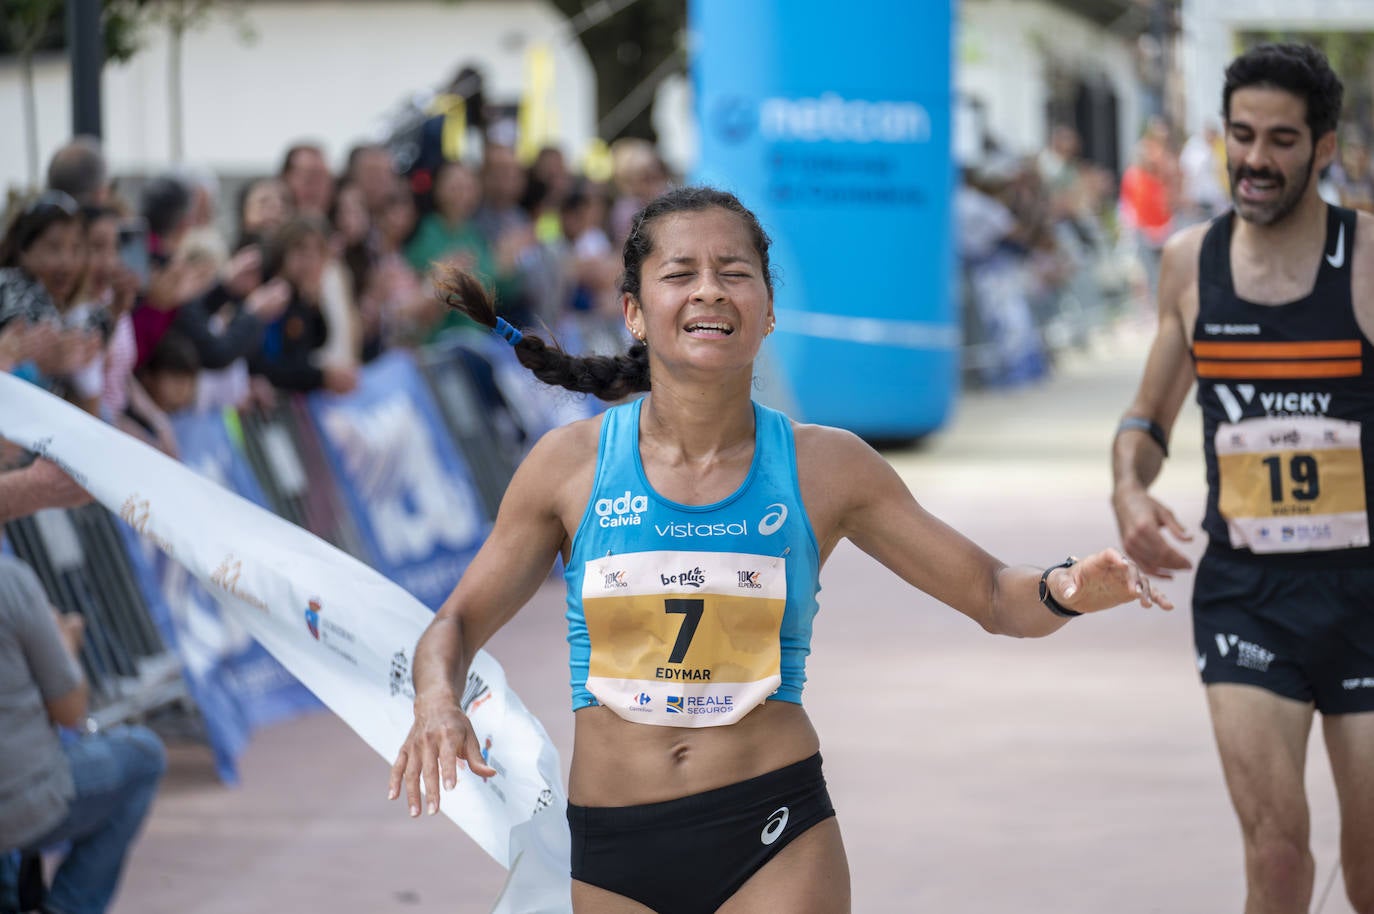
(476, 693)
(400, 681)
(226, 578)
(328, 632)
(624, 511)
(136, 512)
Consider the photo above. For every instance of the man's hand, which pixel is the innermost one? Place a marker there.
(54, 488)
(1141, 518)
(243, 272)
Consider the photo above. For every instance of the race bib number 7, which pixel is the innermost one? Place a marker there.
(1292, 484)
(684, 639)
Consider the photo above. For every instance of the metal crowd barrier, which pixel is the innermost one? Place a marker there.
(80, 558)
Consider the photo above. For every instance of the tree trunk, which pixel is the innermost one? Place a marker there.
(174, 118)
(30, 114)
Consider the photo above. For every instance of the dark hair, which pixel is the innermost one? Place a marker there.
(166, 202)
(78, 168)
(606, 377)
(173, 354)
(1297, 68)
(291, 152)
(49, 208)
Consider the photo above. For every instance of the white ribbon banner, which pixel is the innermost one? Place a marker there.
(341, 628)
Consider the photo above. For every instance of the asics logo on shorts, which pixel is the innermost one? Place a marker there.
(776, 823)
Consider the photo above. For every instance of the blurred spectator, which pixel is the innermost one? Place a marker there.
(509, 233)
(169, 374)
(372, 170)
(78, 169)
(1149, 191)
(639, 176)
(42, 256)
(264, 207)
(83, 795)
(354, 245)
(1350, 173)
(298, 254)
(1202, 165)
(309, 183)
(405, 301)
(548, 183)
(177, 273)
(1058, 162)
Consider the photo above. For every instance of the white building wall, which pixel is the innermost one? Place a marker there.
(1209, 38)
(1004, 52)
(326, 71)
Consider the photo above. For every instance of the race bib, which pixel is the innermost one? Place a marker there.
(684, 639)
(1292, 484)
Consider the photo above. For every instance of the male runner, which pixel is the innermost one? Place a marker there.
(1274, 302)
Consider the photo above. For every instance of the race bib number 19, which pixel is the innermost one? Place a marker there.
(684, 639)
(1292, 484)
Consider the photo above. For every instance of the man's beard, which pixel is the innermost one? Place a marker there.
(1275, 211)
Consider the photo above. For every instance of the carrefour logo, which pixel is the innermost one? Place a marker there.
(829, 118)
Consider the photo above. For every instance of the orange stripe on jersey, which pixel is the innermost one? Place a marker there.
(1344, 368)
(1316, 349)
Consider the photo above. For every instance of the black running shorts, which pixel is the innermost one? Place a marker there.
(1305, 635)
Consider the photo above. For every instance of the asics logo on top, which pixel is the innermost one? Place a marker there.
(623, 511)
(1337, 260)
(776, 823)
(773, 520)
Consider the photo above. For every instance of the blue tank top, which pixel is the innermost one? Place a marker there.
(691, 615)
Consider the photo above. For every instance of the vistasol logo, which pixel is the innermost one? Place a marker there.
(624, 511)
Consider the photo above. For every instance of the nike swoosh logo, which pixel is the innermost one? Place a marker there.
(1337, 260)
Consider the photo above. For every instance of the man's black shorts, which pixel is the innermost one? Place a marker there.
(1305, 635)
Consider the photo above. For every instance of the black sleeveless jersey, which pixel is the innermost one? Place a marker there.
(1287, 398)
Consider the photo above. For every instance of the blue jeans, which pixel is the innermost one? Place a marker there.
(116, 773)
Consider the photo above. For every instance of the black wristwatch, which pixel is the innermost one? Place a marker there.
(1048, 599)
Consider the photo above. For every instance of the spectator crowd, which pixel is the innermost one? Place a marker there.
(137, 309)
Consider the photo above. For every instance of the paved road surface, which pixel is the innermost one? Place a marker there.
(972, 774)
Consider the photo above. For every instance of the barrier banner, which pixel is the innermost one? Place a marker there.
(235, 683)
(403, 480)
(338, 626)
